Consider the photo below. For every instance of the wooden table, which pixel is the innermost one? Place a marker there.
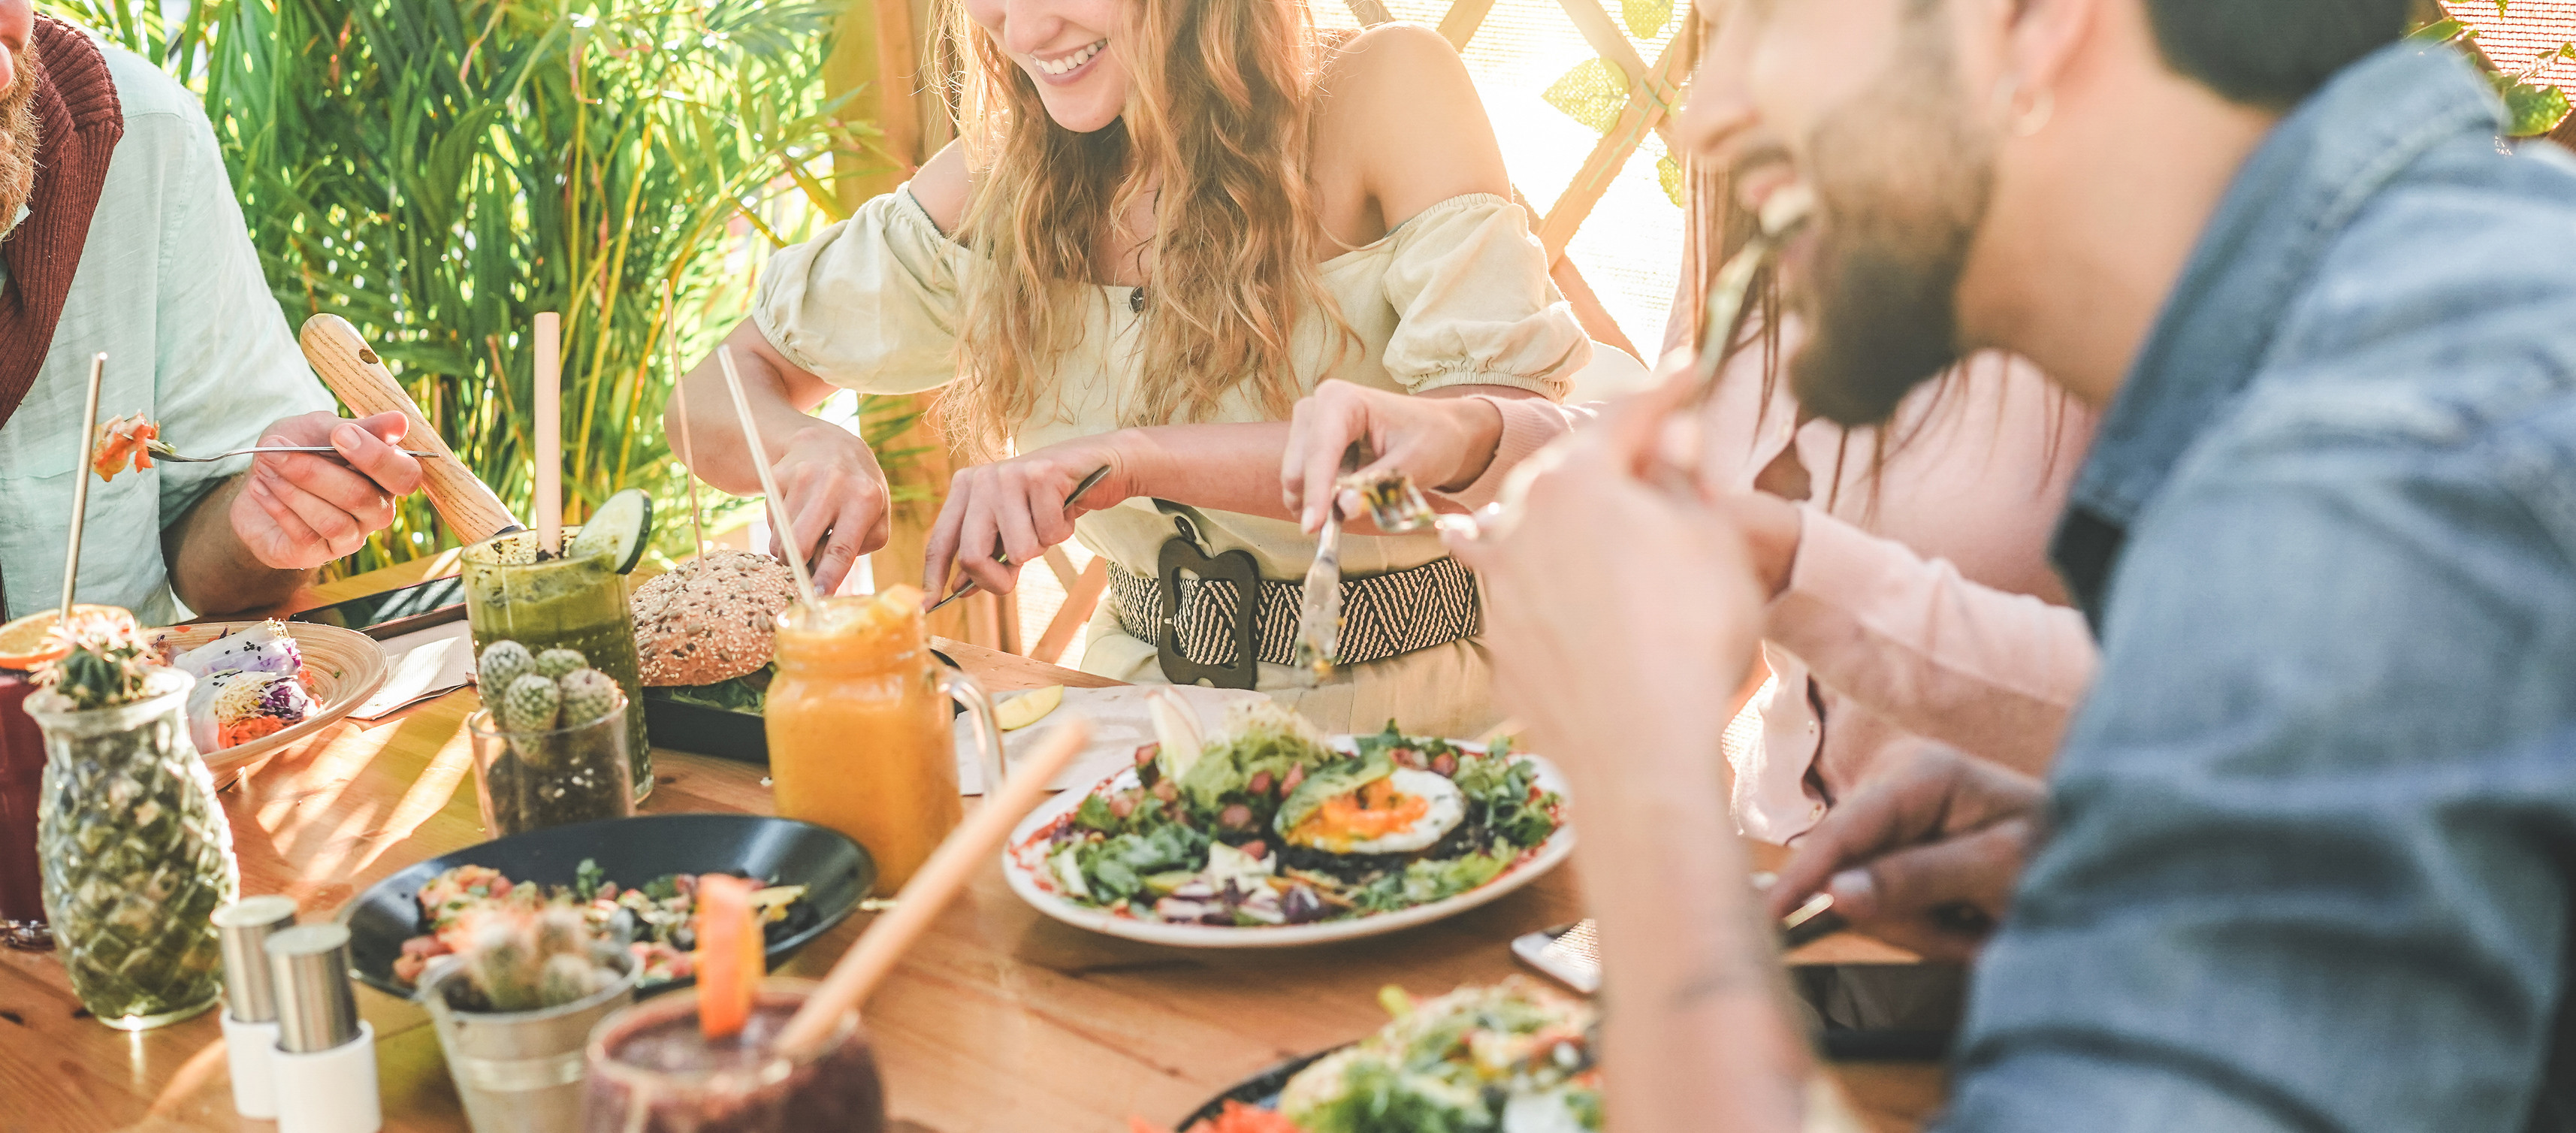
(1002, 1020)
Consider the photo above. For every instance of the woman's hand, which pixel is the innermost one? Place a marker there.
(837, 501)
(1020, 505)
(1444, 443)
(1924, 855)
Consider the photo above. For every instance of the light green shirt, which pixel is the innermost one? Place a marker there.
(170, 287)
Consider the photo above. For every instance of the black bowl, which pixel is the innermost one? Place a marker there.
(835, 871)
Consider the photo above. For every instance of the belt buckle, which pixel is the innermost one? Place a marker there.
(1182, 553)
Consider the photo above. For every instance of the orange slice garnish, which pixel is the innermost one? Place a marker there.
(31, 641)
(730, 959)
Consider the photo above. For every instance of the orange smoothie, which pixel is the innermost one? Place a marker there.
(860, 738)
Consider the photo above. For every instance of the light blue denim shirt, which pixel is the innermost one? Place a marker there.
(170, 287)
(2315, 830)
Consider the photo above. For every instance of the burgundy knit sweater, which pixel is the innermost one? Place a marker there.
(78, 122)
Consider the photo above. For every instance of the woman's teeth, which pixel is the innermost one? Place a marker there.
(1069, 63)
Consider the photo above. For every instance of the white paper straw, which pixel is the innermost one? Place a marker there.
(768, 480)
(549, 350)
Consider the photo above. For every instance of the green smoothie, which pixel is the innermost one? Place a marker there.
(561, 603)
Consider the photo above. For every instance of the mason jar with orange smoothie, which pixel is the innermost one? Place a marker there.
(861, 737)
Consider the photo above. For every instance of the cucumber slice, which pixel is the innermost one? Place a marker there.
(619, 529)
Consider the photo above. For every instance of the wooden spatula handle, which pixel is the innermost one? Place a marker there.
(353, 371)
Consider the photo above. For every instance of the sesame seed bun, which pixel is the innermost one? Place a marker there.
(710, 619)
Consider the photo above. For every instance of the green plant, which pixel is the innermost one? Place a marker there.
(2533, 108)
(438, 171)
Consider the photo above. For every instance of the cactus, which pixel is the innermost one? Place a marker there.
(529, 705)
(554, 663)
(530, 960)
(504, 662)
(104, 669)
(588, 694)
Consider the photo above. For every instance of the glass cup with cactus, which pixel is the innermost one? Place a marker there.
(550, 745)
(136, 854)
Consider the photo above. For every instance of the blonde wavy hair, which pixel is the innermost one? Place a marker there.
(1217, 128)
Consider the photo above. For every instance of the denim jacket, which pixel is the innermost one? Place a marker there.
(2315, 829)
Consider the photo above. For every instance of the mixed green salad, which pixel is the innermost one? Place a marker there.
(1266, 824)
(1511, 1058)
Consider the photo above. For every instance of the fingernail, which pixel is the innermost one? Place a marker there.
(346, 438)
(1853, 889)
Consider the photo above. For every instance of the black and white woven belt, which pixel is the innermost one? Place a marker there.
(1203, 632)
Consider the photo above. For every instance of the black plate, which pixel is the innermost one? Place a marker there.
(834, 870)
(1261, 1090)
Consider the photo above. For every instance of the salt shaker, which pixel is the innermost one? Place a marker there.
(250, 997)
(325, 1063)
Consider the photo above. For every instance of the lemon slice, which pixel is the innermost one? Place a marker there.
(30, 641)
(1021, 711)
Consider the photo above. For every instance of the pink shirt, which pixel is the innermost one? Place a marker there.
(1921, 608)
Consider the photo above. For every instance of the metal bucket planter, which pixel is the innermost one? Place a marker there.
(520, 1071)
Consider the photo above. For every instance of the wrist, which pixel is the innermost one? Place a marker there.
(1772, 534)
(1478, 423)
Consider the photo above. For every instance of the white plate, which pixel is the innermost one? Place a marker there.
(347, 668)
(1023, 877)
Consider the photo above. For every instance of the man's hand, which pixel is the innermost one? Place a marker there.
(1615, 603)
(297, 511)
(1444, 443)
(1924, 855)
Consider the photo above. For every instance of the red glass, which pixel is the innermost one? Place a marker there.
(22, 777)
(651, 1072)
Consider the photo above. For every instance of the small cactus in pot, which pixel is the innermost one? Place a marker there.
(552, 744)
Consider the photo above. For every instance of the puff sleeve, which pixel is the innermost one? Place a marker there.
(1469, 286)
(869, 304)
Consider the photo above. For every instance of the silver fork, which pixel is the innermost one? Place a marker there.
(172, 455)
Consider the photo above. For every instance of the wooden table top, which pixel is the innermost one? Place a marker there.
(1001, 1020)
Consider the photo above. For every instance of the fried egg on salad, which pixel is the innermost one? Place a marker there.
(1401, 812)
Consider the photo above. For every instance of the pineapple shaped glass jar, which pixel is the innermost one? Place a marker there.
(136, 853)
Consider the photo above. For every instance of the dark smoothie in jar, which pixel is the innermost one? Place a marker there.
(22, 778)
(652, 1072)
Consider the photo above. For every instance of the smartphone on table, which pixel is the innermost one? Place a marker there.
(1858, 1012)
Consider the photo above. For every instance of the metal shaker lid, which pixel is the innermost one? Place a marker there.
(316, 1010)
(244, 927)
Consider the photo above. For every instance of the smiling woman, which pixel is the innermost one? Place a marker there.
(1164, 222)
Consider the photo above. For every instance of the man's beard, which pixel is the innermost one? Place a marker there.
(1903, 175)
(18, 135)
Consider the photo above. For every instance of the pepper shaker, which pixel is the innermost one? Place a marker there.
(250, 998)
(325, 1063)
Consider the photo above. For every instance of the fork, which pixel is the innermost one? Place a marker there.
(172, 456)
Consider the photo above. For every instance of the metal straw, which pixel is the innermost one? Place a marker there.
(80, 487)
(768, 479)
(680, 394)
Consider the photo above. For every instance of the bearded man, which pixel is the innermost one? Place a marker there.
(124, 238)
(2303, 861)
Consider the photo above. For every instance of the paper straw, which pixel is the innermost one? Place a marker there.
(549, 348)
(768, 479)
(959, 855)
(80, 488)
(680, 398)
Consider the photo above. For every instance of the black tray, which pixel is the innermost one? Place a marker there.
(701, 730)
(835, 871)
(724, 734)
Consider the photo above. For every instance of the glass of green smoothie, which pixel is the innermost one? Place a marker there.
(569, 600)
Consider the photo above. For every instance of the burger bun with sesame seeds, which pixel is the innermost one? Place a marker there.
(710, 619)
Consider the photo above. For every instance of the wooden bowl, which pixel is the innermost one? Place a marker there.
(347, 668)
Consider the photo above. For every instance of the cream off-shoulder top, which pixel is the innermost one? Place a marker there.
(1456, 295)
